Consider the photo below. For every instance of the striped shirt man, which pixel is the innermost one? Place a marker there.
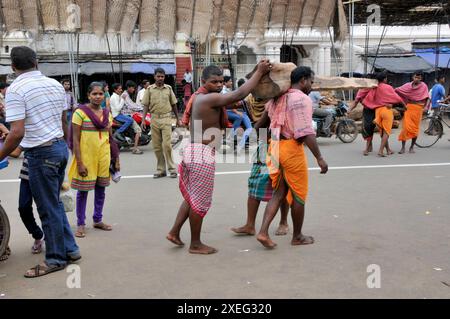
(40, 101)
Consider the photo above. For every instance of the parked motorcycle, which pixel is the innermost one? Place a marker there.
(146, 136)
(344, 128)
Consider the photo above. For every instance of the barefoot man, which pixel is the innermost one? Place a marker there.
(260, 185)
(381, 99)
(416, 96)
(197, 168)
(291, 127)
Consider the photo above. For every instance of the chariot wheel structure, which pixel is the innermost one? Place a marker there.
(4, 231)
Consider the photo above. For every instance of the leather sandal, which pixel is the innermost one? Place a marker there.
(159, 175)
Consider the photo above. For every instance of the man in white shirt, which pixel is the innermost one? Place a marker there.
(325, 114)
(117, 103)
(121, 110)
(36, 108)
(188, 76)
(140, 95)
(70, 99)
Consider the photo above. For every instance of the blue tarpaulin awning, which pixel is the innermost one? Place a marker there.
(90, 68)
(149, 68)
(429, 55)
(401, 64)
(63, 68)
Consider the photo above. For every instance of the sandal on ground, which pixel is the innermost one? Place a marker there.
(80, 233)
(159, 175)
(103, 226)
(42, 270)
(173, 175)
(137, 152)
(37, 246)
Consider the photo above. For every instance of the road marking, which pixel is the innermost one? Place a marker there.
(337, 168)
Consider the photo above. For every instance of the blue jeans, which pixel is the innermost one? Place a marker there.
(126, 120)
(237, 122)
(47, 167)
(26, 210)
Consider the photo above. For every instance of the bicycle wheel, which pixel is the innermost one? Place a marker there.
(347, 131)
(4, 231)
(431, 130)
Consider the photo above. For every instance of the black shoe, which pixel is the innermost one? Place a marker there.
(73, 258)
(159, 175)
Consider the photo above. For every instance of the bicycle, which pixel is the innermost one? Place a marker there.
(432, 127)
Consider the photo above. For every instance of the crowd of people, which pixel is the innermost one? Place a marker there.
(44, 121)
(378, 102)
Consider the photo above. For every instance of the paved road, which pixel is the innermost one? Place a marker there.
(359, 217)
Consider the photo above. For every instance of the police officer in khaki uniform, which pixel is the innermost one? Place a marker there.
(160, 101)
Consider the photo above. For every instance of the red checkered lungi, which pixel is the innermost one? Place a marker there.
(197, 170)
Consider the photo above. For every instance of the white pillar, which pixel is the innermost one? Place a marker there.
(321, 70)
(315, 60)
(327, 61)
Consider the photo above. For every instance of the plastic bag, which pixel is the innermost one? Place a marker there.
(68, 200)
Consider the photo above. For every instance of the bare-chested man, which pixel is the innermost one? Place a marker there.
(198, 166)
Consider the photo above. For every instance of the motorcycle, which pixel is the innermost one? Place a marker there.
(344, 128)
(146, 136)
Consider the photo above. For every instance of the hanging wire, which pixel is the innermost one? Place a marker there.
(366, 49)
(110, 57)
(438, 45)
(383, 34)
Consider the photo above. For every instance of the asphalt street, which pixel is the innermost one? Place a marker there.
(391, 212)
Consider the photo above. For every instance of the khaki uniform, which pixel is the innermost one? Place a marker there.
(160, 101)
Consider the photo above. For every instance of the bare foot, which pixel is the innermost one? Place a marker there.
(402, 151)
(202, 249)
(282, 230)
(175, 239)
(390, 152)
(366, 153)
(381, 155)
(244, 230)
(266, 241)
(412, 151)
(302, 240)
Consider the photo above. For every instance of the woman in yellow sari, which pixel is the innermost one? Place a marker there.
(93, 149)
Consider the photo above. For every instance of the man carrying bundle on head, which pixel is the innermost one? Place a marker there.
(197, 169)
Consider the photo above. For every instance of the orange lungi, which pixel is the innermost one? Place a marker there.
(286, 159)
(384, 118)
(411, 122)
